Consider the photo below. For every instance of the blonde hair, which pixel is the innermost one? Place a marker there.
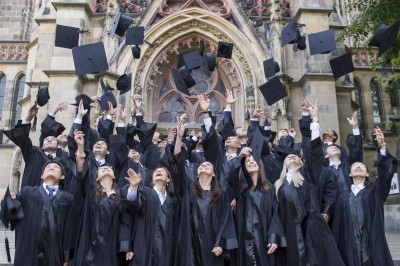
(297, 177)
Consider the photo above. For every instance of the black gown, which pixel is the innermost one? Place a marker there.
(43, 231)
(99, 228)
(257, 224)
(203, 225)
(153, 229)
(369, 204)
(309, 239)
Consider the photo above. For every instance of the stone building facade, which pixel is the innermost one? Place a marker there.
(29, 59)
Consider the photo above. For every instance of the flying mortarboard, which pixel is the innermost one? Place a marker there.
(289, 33)
(192, 60)
(105, 98)
(341, 65)
(66, 37)
(183, 80)
(85, 99)
(121, 24)
(134, 35)
(209, 63)
(322, 42)
(124, 83)
(270, 67)
(90, 58)
(42, 96)
(273, 91)
(389, 37)
(225, 50)
(50, 127)
(135, 51)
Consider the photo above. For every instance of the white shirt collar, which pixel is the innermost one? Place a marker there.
(289, 176)
(335, 165)
(230, 156)
(161, 196)
(102, 161)
(52, 154)
(357, 188)
(47, 191)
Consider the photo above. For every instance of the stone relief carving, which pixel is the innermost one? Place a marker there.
(364, 57)
(13, 52)
(219, 7)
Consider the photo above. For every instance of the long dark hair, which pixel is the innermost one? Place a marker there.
(100, 191)
(262, 182)
(215, 189)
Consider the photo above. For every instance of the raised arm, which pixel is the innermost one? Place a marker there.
(354, 141)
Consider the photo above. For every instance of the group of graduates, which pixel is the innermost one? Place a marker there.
(224, 196)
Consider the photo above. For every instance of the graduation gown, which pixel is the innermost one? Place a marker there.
(203, 225)
(97, 242)
(42, 233)
(155, 228)
(371, 203)
(257, 224)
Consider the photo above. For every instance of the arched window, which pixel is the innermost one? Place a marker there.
(2, 92)
(358, 100)
(376, 102)
(18, 96)
(394, 102)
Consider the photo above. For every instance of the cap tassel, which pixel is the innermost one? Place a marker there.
(8, 250)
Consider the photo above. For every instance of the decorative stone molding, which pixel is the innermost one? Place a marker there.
(219, 7)
(187, 27)
(127, 6)
(364, 57)
(13, 52)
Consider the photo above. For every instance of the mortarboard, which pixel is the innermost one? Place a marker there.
(389, 37)
(135, 51)
(341, 65)
(258, 145)
(121, 24)
(179, 80)
(11, 210)
(66, 37)
(192, 60)
(50, 127)
(376, 39)
(273, 91)
(124, 83)
(86, 101)
(270, 67)
(290, 33)
(209, 63)
(225, 50)
(322, 42)
(42, 96)
(90, 58)
(105, 98)
(134, 35)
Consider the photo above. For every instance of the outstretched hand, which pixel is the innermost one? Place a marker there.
(313, 108)
(81, 110)
(32, 112)
(79, 137)
(379, 137)
(58, 107)
(133, 178)
(204, 102)
(354, 120)
(257, 113)
(229, 97)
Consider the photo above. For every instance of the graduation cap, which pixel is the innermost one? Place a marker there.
(258, 145)
(270, 67)
(86, 101)
(341, 65)
(11, 211)
(105, 87)
(192, 60)
(121, 24)
(134, 35)
(50, 127)
(322, 42)
(209, 63)
(290, 33)
(90, 58)
(273, 91)
(105, 98)
(66, 37)
(135, 51)
(385, 37)
(225, 50)
(42, 96)
(124, 83)
(183, 80)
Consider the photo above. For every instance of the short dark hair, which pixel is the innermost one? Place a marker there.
(56, 161)
(102, 139)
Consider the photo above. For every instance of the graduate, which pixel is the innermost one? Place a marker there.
(207, 231)
(43, 230)
(156, 219)
(358, 226)
(259, 229)
(309, 239)
(98, 240)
